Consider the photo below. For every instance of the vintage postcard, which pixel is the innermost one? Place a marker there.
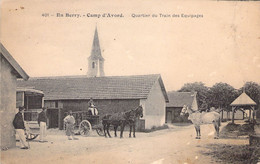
(75, 71)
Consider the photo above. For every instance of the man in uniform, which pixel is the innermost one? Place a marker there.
(91, 108)
(18, 123)
(42, 119)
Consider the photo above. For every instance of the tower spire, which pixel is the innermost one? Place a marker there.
(96, 61)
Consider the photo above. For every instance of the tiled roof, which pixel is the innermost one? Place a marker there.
(20, 72)
(178, 99)
(83, 87)
(243, 99)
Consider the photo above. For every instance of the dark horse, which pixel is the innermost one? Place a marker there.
(121, 119)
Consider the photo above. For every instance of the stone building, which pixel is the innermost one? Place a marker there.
(9, 73)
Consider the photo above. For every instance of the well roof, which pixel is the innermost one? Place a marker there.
(243, 100)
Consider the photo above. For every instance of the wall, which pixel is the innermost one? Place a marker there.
(104, 106)
(238, 115)
(154, 112)
(93, 72)
(8, 104)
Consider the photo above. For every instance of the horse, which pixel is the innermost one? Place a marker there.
(133, 116)
(121, 119)
(198, 118)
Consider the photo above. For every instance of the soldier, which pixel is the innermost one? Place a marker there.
(91, 108)
(91, 102)
(42, 119)
(18, 123)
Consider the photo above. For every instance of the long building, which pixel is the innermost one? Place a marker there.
(110, 93)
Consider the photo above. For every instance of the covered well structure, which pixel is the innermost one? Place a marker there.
(245, 102)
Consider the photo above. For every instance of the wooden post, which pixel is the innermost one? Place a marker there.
(249, 115)
(254, 113)
(43, 101)
(59, 119)
(233, 114)
(27, 102)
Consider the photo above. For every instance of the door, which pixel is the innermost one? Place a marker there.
(168, 117)
(53, 117)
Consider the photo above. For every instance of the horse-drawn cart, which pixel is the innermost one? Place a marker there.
(85, 123)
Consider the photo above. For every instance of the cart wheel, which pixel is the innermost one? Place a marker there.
(85, 128)
(100, 132)
(31, 136)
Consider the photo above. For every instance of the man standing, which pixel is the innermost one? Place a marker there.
(18, 123)
(69, 120)
(42, 119)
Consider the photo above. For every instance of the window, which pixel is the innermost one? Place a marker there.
(93, 64)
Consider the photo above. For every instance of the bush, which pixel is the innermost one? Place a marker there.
(232, 127)
(235, 130)
(242, 154)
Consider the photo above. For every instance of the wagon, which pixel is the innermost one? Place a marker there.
(85, 123)
(32, 129)
(32, 100)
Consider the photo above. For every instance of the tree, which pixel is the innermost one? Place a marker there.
(221, 95)
(202, 92)
(252, 89)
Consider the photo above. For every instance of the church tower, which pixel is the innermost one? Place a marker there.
(95, 60)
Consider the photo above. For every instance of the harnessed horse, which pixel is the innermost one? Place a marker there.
(121, 119)
(198, 118)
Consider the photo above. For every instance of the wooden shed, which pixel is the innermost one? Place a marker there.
(9, 73)
(176, 102)
(110, 93)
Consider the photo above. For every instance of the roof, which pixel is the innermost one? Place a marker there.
(243, 100)
(20, 72)
(83, 87)
(178, 99)
(30, 91)
(96, 52)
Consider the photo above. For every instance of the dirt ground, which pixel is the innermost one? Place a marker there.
(174, 145)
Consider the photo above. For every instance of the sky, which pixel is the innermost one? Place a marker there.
(221, 45)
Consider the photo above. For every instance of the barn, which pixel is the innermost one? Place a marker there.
(110, 94)
(176, 102)
(10, 72)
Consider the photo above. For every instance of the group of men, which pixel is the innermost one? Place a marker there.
(69, 120)
(20, 128)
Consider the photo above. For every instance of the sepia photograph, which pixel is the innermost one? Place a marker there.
(129, 82)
